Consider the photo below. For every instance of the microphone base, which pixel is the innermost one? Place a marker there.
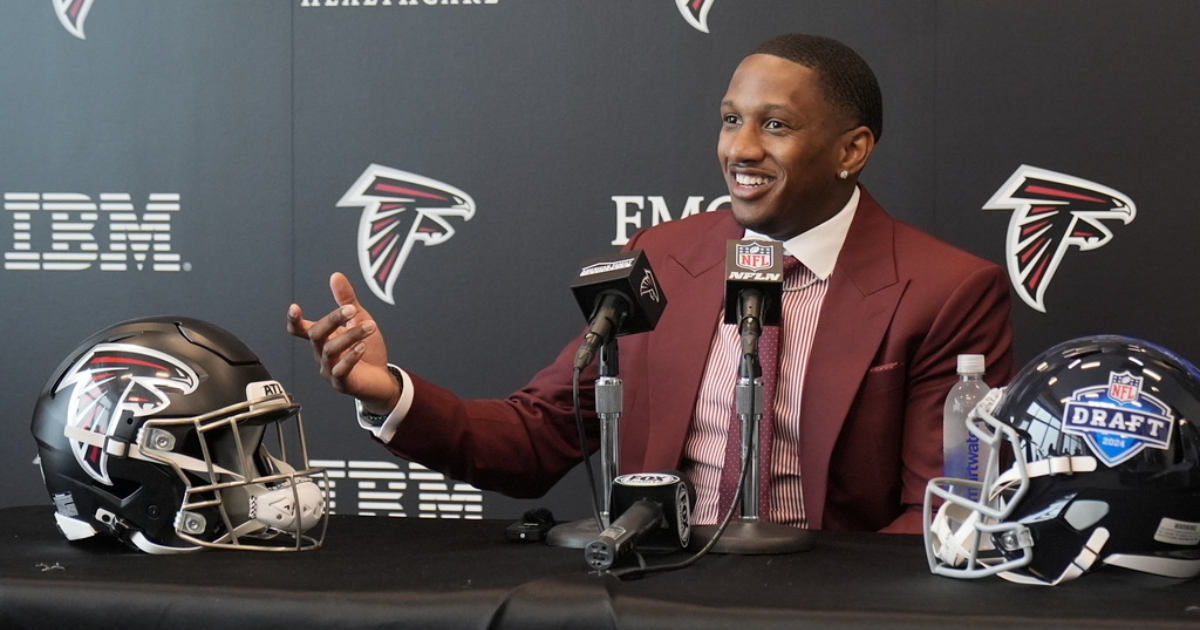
(573, 535)
(753, 538)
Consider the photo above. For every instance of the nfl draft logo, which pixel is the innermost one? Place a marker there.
(1124, 387)
(755, 256)
(1118, 420)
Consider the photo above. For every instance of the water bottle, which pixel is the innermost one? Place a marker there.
(965, 457)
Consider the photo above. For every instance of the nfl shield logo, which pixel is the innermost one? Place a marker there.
(1124, 387)
(755, 257)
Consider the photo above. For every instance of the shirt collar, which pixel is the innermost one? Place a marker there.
(818, 248)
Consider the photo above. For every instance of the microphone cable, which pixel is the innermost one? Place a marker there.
(630, 573)
(583, 448)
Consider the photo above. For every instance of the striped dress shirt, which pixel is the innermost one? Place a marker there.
(704, 450)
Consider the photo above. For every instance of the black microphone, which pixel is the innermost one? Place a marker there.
(655, 515)
(753, 292)
(620, 296)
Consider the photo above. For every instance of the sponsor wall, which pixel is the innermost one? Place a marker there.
(220, 159)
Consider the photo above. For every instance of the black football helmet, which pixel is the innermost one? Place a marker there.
(169, 434)
(1101, 466)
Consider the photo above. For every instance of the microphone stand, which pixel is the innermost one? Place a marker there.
(749, 534)
(610, 402)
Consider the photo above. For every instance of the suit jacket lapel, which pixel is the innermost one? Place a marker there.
(862, 297)
(678, 349)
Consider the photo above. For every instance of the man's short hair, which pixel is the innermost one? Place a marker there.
(844, 76)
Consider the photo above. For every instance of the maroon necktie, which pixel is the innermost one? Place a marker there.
(768, 358)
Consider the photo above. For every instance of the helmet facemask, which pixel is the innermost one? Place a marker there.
(959, 539)
(240, 491)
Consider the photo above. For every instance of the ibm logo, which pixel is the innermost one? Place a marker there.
(371, 488)
(71, 220)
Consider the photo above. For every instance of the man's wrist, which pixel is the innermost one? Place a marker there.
(377, 420)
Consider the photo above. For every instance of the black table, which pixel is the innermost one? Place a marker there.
(418, 573)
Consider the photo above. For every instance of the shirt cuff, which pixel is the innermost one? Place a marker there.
(387, 430)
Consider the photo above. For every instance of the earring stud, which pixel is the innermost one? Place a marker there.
(843, 174)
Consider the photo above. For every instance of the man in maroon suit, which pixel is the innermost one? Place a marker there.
(879, 312)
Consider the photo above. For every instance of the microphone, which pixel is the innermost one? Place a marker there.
(753, 292)
(620, 296)
(655, 515)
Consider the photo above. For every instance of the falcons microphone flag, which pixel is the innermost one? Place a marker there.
(620, 295)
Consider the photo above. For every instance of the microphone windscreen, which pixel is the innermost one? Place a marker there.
(754, 264)
(670, 489)
(629, 275)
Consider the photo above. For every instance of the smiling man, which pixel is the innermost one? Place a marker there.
(875, 315)
(782, 139)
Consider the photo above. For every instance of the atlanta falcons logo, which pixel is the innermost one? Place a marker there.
(649, 287)
(695, 12)
(1053, 212)
(115, 381)
(400, 209)
(72, 13)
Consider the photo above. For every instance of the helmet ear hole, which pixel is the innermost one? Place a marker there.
(123, 489)
(1084, 514)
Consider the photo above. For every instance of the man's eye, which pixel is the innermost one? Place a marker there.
(729, 119)
(774, 124)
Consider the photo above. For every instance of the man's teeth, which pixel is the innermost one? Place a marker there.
(750, 180)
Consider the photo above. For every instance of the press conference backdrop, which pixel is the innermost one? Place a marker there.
(208, 159)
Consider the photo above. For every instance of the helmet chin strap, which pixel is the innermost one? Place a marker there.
(140, 541)
(294, 505)
(291, 506)
(955, 534)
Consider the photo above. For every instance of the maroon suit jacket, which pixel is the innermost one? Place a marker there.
(900, 308)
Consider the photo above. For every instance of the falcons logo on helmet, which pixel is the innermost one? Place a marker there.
(399, 210)
(695, 12)
(1053, 212)
(72, 13)
(115, 381)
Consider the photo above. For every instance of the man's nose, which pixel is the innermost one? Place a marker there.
(744, 145)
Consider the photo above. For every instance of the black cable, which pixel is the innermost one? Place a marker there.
(587, 460)
(629, 573)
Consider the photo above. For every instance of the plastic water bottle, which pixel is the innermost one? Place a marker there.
(965, 457)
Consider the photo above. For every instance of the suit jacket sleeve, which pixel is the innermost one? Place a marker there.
(520, 445)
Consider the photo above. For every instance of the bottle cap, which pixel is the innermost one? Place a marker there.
(971, 364)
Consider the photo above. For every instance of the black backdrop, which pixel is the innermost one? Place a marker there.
(225, 133)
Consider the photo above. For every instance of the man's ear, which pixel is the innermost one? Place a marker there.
(858, 143)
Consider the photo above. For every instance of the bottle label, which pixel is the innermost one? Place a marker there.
(965, 462)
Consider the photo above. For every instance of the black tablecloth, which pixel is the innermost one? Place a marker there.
(418, 573)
